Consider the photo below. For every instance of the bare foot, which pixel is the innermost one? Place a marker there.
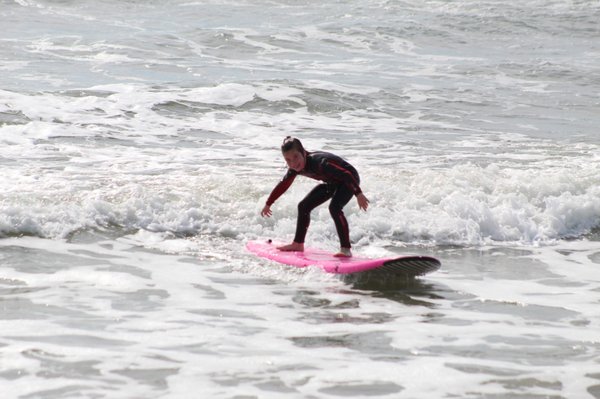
(344, 253)
(295, 246)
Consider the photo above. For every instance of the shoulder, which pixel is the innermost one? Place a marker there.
(315, 160)
(325, 158)
(321, 156)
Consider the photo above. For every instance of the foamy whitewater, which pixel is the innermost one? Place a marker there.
(140, 140)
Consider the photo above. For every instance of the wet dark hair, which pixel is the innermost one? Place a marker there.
(292, 143)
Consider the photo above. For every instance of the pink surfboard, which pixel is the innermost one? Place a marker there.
(407, 266)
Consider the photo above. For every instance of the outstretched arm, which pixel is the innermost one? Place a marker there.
(363, 202)
(266, 211)
(278, 191)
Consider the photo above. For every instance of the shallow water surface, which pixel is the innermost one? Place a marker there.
(112, 318)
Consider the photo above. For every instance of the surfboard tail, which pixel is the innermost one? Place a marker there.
(410, 266)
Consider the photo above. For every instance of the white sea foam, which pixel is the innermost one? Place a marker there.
(414, 200)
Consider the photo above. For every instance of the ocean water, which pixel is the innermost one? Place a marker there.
(139, 141)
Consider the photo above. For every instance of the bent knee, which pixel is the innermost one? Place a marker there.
(335, 210)
(304, 207)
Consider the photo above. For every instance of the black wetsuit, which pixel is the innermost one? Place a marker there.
(341, 182)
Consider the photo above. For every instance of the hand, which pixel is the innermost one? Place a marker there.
(363, 202)
(266, 211)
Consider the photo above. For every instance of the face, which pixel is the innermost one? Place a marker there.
(295, 160)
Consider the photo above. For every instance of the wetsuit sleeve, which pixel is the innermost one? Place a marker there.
(332, 169)
(282, 186)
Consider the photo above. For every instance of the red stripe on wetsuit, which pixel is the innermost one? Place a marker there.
(322, 166)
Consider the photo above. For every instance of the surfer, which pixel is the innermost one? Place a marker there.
(340, 183)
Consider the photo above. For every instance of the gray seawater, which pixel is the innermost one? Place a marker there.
(139, 140)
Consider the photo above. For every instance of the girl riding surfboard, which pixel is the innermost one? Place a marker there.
(340, 183)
